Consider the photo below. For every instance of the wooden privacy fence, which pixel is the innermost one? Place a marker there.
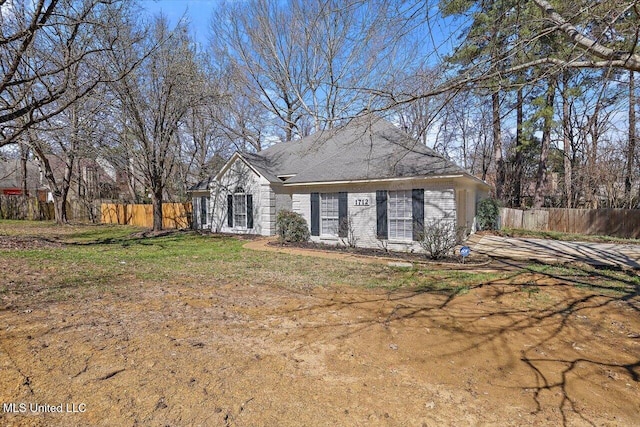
(30, 208)
(606, 222)
(174, 215)
(18, 207)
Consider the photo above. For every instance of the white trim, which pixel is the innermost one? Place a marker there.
(242, 195)
(323, 216)
(237, 156)
(408, 214)
(375, 180)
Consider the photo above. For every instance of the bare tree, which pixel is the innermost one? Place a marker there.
(62, 141)
(154, 100)
(259, 42)
(311, 64)
(53, 82)
(41, 44)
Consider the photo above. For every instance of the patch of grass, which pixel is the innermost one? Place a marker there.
(461, 290)
(602, 280)
(79, 233)
(105, 233)
(555, 235)
(98, 259)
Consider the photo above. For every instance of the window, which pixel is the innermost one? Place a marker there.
(400, 215)
(240, 210)
(204, 203)
(329, 214)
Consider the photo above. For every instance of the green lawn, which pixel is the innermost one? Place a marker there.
(86, 260)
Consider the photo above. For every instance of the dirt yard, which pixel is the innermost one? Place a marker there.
(531, 349)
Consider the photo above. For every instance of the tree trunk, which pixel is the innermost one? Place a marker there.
(497, 144)
(541, 175)
(24, 155)
(517, 184)
(631, 148)
(566, 138)
(60, 206)
(156, 199)
(64, 191)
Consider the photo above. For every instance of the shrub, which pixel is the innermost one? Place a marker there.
(348, 231)
(487, 214)
(439, 238)
(291, 227)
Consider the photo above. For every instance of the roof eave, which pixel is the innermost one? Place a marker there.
(374, 180)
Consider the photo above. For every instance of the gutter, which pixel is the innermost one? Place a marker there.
(365, 181)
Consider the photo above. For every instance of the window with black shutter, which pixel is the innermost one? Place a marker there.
(240, 210)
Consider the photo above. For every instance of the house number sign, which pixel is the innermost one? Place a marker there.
(361, 202)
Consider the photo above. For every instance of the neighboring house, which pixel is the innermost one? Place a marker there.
(11, 179)
(366, 181)
(92, 179)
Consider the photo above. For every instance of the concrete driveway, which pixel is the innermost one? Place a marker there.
(555, 251)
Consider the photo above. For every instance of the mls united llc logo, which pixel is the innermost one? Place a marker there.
(37, 408)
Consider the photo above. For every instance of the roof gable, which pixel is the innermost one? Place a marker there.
(240, 157)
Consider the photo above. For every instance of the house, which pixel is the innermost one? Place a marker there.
(12, 179)
(366, 181)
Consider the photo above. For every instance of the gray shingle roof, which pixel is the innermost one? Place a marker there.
(365, 148)
(202, 185)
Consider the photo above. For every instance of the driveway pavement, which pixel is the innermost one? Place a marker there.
(555, 251)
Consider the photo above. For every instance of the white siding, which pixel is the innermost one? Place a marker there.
(442, 199)
(439, 203)
(240, 175)
(471, 210)
(283, 198)
(196, 200)
(301, 203)
(439, 199)
(266, 208)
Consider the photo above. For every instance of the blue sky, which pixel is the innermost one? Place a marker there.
(197, 12)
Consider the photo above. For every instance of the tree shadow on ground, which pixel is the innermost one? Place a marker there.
(584, 305)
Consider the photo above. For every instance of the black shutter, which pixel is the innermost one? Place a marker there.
(381, 214)
(249, 211)
(343, 221)
(417, 204)
(315, 214)
(230, 210)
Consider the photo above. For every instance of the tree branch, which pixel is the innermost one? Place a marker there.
(627, 60)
